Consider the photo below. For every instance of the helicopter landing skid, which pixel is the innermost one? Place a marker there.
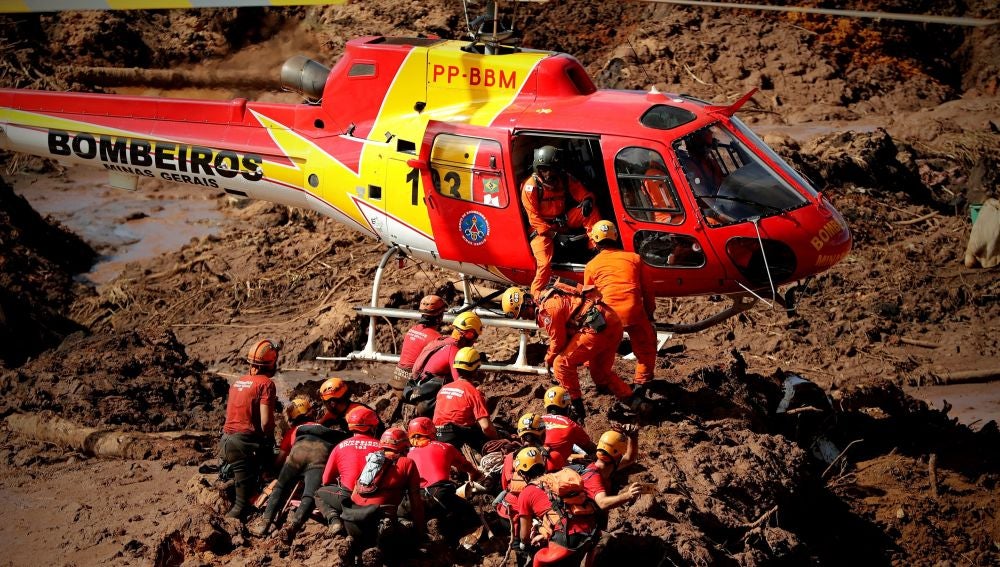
(371, 354)
(740, 303)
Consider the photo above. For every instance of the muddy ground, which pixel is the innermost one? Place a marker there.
(896, 123)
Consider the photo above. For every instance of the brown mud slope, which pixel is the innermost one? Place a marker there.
(738, 483)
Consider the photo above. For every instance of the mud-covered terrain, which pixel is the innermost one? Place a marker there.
(897, 123)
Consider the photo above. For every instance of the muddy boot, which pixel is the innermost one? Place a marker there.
(287, 533)
(579, 412)
(261, 527)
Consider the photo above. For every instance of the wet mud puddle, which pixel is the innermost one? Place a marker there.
(122, 226)
(973, 404)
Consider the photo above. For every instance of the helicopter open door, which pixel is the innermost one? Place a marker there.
(656, 221)
(473, 203)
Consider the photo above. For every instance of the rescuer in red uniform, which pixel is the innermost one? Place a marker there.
(615, 451)
(550, 198)
(426, 330)
(344, 465)
(435, 461)
(562, 434)
(625, 285)
(247, 444)
(435, 366)
(582, 330)
(530, 430)
(461, 415)
(373, 519)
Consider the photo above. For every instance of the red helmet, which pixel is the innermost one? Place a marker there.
(422, 426)
(361, 419)
(394, 439)
(264, 354)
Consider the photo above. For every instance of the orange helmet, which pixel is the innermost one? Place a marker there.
(264, 354)
(432, 305)
(394, 439)
(422, 426)
(333, 389)
(361, 419)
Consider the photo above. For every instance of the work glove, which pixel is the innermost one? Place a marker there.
(626, 429)
(587, 206)
(521, 552)
(559, 221)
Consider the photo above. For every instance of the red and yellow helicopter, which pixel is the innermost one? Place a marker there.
(423, 143)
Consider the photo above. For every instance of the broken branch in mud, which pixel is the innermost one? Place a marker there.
(919, 343)
(107, 443)
(840, 456)
(919, 219)
(968, 376)
(932, 474)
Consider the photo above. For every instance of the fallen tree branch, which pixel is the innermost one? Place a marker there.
(108, 443)
(916, 220)
(919, 343)
(840, 456)
(970, 376)
(932, 474)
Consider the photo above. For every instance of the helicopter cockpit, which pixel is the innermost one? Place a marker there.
(731, 183)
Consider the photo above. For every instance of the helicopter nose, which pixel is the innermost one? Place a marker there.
(832, 241)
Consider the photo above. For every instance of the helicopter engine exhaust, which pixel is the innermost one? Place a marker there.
(304, 76)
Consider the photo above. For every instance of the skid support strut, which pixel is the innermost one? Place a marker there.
(371, 354)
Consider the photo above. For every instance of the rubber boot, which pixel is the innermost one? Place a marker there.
(241, 490)
(261, 527)
(579, 411)
(287, 533)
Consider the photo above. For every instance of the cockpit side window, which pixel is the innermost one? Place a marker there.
(646, 190)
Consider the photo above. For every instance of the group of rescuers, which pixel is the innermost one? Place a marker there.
(553, 480)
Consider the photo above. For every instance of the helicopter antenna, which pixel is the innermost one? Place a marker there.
(642, 64)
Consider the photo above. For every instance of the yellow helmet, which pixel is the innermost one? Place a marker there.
(530, 423)
(468, 359)
(513, 301)
(467, 322)
(557, 396)
(298, 407)
(603, 230)
(333, 389)
(528, 458)
(612, 444)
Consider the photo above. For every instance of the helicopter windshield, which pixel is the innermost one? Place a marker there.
(730, 182)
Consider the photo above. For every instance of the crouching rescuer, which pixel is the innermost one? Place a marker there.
(567, 529)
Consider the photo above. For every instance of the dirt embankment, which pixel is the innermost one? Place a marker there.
(738, 483)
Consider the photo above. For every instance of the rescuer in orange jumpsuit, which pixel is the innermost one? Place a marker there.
(578, 334)
(546, 197)
(625, 286)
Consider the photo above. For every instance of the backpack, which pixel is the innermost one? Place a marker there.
(569, 500)
(587, 298)
(423, 386)
(375, 466)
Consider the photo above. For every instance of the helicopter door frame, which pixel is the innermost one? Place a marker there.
(678, 249)
(583, 157)
(474, 207)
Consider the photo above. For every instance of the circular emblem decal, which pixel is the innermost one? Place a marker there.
(474, 228)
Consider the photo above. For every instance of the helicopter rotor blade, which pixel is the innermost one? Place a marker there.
(18, 6)
(922, 18)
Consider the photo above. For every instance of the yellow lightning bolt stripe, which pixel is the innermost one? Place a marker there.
(336, 180)
(10, 6)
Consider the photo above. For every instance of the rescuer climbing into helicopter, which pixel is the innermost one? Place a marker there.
(554, 201)
(625, 286)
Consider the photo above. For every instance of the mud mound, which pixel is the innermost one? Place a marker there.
(36, 279)
(135, 380)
